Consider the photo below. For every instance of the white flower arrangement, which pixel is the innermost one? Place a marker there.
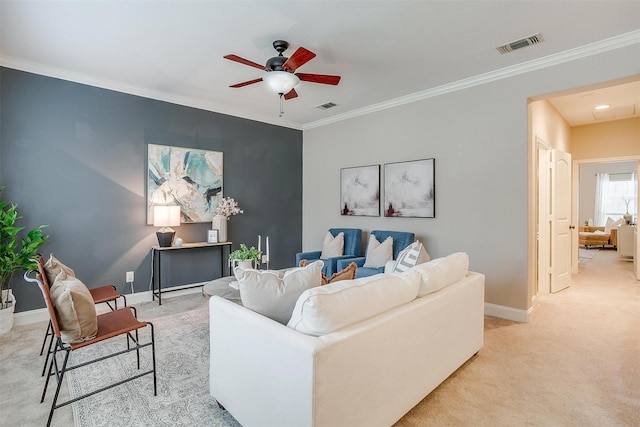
(227, 207)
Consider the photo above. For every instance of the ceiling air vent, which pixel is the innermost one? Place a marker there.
(518, 44)
(327, 105)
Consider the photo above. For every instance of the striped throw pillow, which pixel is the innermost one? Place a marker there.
(410, 256)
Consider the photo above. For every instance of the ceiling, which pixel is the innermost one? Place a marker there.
(387, 52)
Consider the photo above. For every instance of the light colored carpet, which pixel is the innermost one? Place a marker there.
(182, 355)
(577, 363)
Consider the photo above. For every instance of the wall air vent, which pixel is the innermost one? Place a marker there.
(327, 105)
(519, 44)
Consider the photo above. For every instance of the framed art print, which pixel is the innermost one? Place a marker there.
(186, 177)
(212, 236)
(360, 191)
(409, 189)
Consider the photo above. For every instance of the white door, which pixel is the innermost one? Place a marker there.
(560, 220)
(544, 218)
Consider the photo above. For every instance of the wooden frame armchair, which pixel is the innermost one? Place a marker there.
(112, 324)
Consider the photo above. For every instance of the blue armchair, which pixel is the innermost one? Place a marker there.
(401, 240)
(352, 249)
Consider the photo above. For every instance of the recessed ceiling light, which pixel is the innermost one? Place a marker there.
(602, 107)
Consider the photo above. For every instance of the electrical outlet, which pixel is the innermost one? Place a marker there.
(129, 277)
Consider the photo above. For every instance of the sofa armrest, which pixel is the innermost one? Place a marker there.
(613, 237)
(254, 360)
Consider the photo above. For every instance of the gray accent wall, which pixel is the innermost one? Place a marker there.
(479, 138)
(74, 157)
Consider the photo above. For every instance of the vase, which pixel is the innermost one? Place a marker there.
(6, 313)
(219, 222)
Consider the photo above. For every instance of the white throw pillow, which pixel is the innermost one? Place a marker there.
(327, 308)
(611, 224)
(274, 293)
(378, 253)
(332, 246)
(410, 256)
(442, 272)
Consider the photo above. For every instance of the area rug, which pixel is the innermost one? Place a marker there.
(585, 255)
(182, 360)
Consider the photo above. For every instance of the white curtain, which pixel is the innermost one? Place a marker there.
(602, 187)
(634, 179)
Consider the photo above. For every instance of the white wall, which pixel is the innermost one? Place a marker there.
(479, 139)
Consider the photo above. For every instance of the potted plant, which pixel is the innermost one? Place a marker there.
(247, 256)
(14, 257)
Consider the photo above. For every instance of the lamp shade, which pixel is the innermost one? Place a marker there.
(281, 81)
(166, 216)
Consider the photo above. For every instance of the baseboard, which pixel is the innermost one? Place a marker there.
(509, 313)
(42, 314)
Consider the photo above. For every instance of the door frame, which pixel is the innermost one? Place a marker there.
(543, 244)
(575, 188)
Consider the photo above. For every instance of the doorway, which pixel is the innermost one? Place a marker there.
(547, 123)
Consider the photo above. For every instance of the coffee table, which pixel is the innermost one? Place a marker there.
(221, 288)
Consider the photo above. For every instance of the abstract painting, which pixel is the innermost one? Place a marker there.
(360, 191)
(409, 189)
(187, 177)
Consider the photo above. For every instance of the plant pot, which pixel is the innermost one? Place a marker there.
(219, 222)
(242, 263)
(6, 313)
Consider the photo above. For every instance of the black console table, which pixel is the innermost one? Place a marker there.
(157, 253)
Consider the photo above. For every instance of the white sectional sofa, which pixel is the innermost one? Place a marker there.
(367, 373)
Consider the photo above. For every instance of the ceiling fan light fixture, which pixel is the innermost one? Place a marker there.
(281, 82)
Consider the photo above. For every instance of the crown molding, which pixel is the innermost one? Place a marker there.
(31, 67)
(605, 45)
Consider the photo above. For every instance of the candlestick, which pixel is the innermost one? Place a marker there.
(259, 241)
(267, 248)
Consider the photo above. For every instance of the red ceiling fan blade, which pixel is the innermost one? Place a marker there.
(319, 78)
(236, 58)
(291, 94)
(247, 83)
(300, 57)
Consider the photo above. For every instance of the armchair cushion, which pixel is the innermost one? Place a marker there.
(332, 246)
(611, 224)
(378, 253)
(352, 248)
(401, 240)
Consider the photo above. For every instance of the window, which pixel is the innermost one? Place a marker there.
(617, 196)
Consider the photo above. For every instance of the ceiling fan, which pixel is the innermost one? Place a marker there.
(281, 76)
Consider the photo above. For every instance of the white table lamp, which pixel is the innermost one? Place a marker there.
(166, 217)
